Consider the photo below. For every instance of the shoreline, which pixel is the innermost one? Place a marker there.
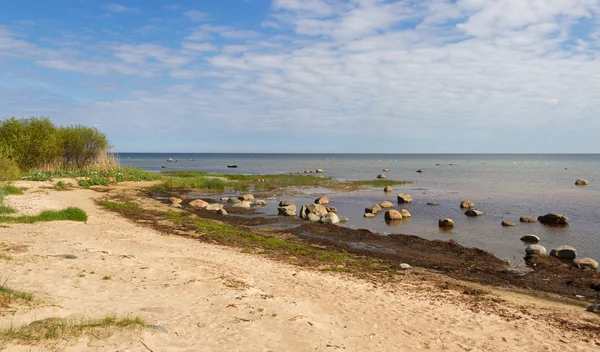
(188, 286)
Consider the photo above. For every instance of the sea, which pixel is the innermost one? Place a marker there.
(503, 186)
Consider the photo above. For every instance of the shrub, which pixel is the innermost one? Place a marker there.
(82, 146)
(35, 142)
(8, 167)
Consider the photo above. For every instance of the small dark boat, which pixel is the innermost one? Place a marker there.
(232, 166)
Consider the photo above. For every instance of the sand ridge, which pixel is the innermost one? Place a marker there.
(213, 298)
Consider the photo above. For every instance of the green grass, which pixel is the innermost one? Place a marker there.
(60, 329)
(10, 190)
(179, 180)
(9, 296)
(71, 213)
(95, 176)
(125, 208)
(188, 182)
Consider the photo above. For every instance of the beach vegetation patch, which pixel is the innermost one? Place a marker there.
(71, 213)
(9, 296)
(11, 190)
(59, 329)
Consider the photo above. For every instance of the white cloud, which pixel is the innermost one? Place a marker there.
(407, 71)
(118, 8)
(196, 15)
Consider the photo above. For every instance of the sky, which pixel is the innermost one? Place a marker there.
(310, 76)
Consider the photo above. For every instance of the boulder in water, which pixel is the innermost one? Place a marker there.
(285, 203)
(330, 218)
(564, 252)
(199, 204)
(581, 182)
(388, 189)
(386, 204)
(287, 210)
(508, 223)
(473, 212)
(447, 222)
(381, 176)
(322, 200)
(553, 219)
(393, 215)
(527, 219)
(405, 213)
(467, 204)
(535, 249)
(404, 198)
(533, 239)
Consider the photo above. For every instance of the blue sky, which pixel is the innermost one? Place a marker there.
(412, 76)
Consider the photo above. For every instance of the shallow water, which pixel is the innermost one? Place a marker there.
(502, 186)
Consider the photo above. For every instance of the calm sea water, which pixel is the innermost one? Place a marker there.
(502, 186)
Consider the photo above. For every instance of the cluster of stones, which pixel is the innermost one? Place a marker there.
(564, 253)
(319, 171)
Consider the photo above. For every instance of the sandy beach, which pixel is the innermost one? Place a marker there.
(215, 298)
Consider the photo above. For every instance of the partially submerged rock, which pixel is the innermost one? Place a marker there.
(405, 213)
(581, 182)
(214, 207)
(533, 239)
(564, 252)
(322, 200)
(446, 222)
(404, 198)
(285, 203)
(467, 204)
(246, 197)
(330, 218)
(535, 249)
(261, 203)
(317, 209)
(388, 189)
(199, 204)
(175, 200)
(393, 215)
(473, 212)
(287, 210)
(553, 219)
(381, 176)
(508, 223)
(386, 204)
(242, 204)
(527, 219)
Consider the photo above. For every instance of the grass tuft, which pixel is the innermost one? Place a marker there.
(9, 296)
(10, 190)
(71, 213)
(53, 329)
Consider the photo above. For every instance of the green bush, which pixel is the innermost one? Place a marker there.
(82, 146)
(8, 167)
(35, 142)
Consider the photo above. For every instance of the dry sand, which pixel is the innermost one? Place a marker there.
(212, 298)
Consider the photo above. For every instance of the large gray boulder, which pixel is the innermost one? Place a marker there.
(404, 198)
(386, 204)
(447, 222)
(316, 209)
(330, 218)
(527, 219)
(312, 217)
(533, 239)
(535, 249)
(564, 252)
(242, 204)
(288, 210)
(322, 200)
(393, 215)
(198, 204)
(473, 212)
(467, 204)
(405, 213)
(214, 207)
(553, 219)
(583, 263)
